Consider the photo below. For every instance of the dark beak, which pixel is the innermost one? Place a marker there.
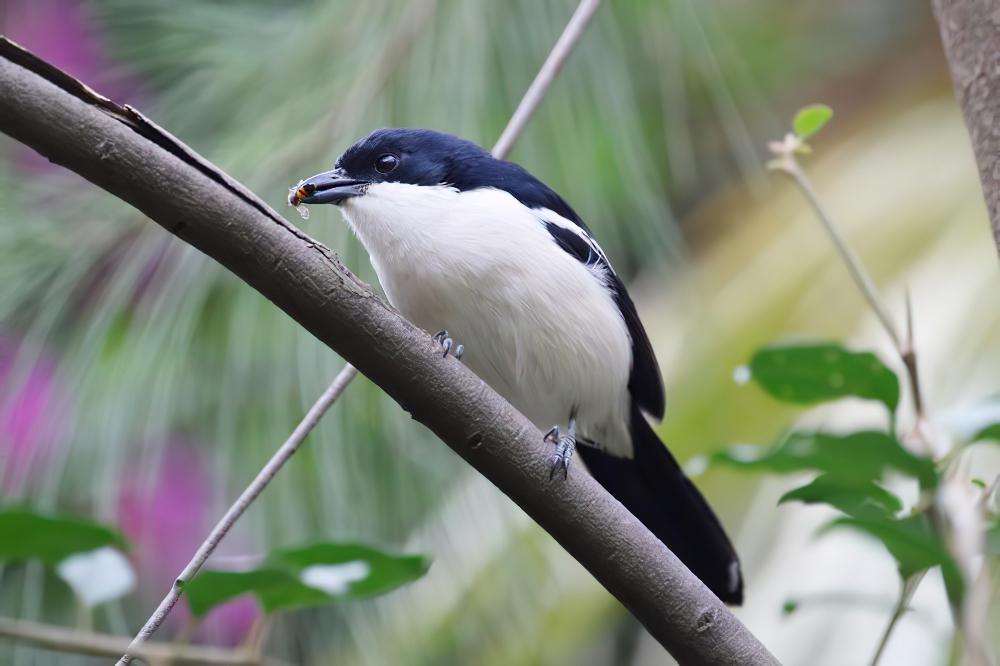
(327, 187)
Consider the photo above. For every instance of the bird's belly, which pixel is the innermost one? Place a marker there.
(551, 343)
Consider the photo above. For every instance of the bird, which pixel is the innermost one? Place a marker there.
(485, 254)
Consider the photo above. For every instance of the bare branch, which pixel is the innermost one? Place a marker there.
(970, 32)
(123, 152)
(789, 165)
(61, 639)
(906, 592)
(280, 457)
(546, 75)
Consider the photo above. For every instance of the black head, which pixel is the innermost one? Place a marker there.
(397, 155)
(425, 157)
(415, 156)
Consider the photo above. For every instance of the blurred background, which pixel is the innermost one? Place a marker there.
(143, 385)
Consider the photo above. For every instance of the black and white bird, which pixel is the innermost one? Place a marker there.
(482, 251)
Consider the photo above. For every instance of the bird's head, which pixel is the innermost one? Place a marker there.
(417, 157)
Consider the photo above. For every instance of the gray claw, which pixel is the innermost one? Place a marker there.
(565, 446)
(448, 345)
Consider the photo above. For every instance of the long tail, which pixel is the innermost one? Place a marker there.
(653, 487)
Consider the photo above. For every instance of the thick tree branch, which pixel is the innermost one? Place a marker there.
(536, 92)
(119, 150)
(970, 31)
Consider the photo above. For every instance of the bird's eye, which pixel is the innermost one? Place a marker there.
(386, 163)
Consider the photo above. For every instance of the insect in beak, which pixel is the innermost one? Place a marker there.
(299, 192)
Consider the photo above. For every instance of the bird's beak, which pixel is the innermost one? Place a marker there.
(327, 187)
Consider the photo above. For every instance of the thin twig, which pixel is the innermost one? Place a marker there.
(787, 163)
(264, 477)
(909, 588)
(64, 639)
(858, 273)
(546, 75)
(909, 355)
(953, 521)
(534, 95)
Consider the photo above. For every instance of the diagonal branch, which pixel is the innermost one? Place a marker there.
(246, 498)
(546, 75)
(121, 151)
(532, 98)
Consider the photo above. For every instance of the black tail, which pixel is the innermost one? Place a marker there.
(653, 487)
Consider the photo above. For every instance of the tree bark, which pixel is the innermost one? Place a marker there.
(121, 151)
(970, 32)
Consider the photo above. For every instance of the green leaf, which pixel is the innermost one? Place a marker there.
(313, 575)
(811, 119)
(991, 432)
(385, 571)
(26, 535)
(274, 588)
(855, 458)
(807, 374)
(914, 545)
(865, 499)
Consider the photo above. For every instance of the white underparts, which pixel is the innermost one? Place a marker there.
(538, 325)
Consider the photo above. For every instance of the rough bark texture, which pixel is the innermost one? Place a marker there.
(119, 150)
(970, 31)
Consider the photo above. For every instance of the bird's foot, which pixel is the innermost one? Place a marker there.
(448, 345)
(563, 454)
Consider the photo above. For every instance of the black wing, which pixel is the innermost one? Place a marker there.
(644, 382)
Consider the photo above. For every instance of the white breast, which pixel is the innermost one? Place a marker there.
(538, 325)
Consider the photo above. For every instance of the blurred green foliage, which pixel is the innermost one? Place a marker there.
(173, 381)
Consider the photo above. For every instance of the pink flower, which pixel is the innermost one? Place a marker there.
(28, 416)
(63, 33)
(166, 521)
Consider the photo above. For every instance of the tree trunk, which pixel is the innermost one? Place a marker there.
(970, 31)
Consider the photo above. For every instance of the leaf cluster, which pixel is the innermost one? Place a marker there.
(851, 468)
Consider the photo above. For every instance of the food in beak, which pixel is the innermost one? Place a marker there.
(297, 194)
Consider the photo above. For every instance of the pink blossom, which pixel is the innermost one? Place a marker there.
(166, 522)
(27, 416)
(63, 33)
